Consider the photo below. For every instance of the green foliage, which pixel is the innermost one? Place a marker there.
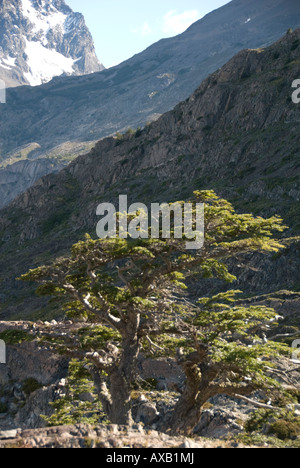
(97, 337)
(30, 385)
(285, 428)
(119, 136)
(283, 424)
(138, 288)
(226, 234)
(13, 337)
(217, 316)
(258, 419)
(73, 407)
(3, 408)
(166, 346)
(264, 441)
(130, 131)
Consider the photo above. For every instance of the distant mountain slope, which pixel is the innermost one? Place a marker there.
(41, 39)
(238, 134)
(69, 111)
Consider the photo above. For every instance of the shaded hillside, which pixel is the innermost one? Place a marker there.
(239, 134)
(85, 109)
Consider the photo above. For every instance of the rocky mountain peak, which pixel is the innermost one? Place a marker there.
(41, 39)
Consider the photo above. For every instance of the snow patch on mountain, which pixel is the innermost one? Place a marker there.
(45, 63)
(4, 66)
(45, 19)
(42, 39)
(8, 62)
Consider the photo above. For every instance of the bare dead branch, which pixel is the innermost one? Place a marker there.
(256, 403)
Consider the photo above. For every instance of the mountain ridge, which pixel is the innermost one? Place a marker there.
(79, 111)
(238, 134)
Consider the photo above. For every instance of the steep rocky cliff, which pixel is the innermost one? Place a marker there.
(237, 134)
(41, 39)
(148, 84)
(17, 177)
(85, 109)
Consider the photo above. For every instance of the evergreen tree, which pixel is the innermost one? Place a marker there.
(133, 293)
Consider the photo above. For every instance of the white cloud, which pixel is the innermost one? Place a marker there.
(176, 23)
(144, 30)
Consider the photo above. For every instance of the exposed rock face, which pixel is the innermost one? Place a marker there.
(34, 377)
(41, 39)
(136, 91)
(237, 134)
(17, 177)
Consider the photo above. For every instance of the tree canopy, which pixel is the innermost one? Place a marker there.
(136, 293)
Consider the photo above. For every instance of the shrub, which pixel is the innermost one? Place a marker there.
(284, 425)
(14, 337)
(285, 429)
(30, 385)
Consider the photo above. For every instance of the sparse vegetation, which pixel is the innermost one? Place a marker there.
(282, 425)
(79, 402)
(30, 385)
(13, 337)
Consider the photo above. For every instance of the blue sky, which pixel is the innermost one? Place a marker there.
(122, 28)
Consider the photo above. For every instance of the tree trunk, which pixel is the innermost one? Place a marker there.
(120, 392)
(185, 421)
(187, 411)
(185, 407)
(122, 374)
